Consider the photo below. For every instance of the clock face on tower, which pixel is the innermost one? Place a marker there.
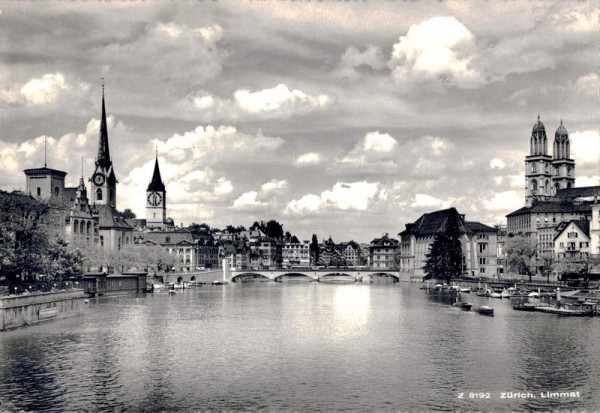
(154, 198)
(98, 179)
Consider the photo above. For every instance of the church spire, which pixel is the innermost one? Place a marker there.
(103, 150)
(156, 184)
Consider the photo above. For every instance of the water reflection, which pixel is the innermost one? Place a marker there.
(298, 347)
(351, 311)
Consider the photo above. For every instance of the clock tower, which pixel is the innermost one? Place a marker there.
(104, 181)
(156, 200)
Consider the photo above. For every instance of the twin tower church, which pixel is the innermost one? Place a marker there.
(545, 175)
(95, 220)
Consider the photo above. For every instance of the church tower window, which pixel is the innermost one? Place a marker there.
(39, 191)
(99, 195)
(533, 168)
(534, 185)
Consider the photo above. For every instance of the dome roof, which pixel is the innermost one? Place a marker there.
(539, 126)
(561, 132)
(169, 221)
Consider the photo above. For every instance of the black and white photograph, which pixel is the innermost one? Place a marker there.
(299, 206)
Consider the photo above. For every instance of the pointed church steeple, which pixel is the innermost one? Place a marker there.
(104, 180)
(103, 149)
(156, 200)
(156, 184)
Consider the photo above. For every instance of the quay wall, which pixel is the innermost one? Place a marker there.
(23, 310)
(199, 276)
(113, 284)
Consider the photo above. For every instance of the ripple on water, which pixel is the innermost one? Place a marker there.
(297, 347)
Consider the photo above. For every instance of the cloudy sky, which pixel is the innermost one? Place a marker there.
(341, 118)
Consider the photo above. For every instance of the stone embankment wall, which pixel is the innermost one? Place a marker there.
(23, 310)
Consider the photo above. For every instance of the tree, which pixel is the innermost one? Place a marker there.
(64, 261)
(202, 228)
(273, 229)
(314, 250)
(126, 214)
(578, 267)
(521, 255)
(25, 236)
(444, 260)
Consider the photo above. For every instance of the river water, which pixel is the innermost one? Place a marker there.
(300, 347)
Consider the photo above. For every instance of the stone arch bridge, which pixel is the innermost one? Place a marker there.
(333, 274)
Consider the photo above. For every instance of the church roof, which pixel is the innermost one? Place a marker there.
(168, 237)
(156, 184)
(539, 126)
(581, 192)
(45, 171)
(103, 158)
(561, 133)
(474, 226)
(554, 207)
(519, 211)
(434, 222)
(107, 218)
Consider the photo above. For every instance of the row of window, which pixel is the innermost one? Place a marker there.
(556, 169)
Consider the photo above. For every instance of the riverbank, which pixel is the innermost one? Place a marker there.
(29, 309)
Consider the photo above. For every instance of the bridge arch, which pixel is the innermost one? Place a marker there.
(395, 278)
(249, 276)
(293, 275)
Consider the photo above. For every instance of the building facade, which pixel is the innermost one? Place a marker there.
(479, 243)
(382, 253)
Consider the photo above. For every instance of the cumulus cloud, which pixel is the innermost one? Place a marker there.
(274, 186)
(503, 201)
(248, 202)
(588, 180)
(439, 49)
(353, 60)
(274, 103)
(36, 91)
(374, 146)
(194, 48)
(310, 158)
(585, 147)
(588, 84)
(497, 163)
(212, 145)
(343, 196)
(278, 99)
(428, 201)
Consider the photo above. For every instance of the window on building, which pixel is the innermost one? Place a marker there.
(39, 191)
(482, 270)
(482, 260)
(533, 168)
(56, 191)
(99, 194)
(482, 247)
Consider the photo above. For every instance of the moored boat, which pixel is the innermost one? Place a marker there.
(485, 310)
